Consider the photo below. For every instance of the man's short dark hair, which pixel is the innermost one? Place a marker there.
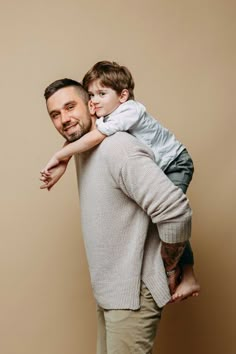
(62, 83)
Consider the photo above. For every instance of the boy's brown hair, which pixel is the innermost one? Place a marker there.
(110, 75)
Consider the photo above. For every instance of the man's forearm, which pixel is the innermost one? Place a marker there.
(171, 254)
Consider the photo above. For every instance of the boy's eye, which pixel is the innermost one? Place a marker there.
(102, 93)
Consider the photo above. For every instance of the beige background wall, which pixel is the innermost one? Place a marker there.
(182, 56)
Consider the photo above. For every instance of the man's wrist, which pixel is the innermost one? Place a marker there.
(171, 254)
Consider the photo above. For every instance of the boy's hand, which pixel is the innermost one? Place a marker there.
(53, 162)
(51, 177)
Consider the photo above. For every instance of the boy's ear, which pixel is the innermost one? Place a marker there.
(91, 108)
(124, 95)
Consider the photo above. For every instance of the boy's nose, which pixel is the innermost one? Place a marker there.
(95, 99)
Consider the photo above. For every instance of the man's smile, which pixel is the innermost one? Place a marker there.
(66, 129)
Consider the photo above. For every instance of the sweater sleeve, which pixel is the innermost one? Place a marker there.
(144, 182)
(122, 119)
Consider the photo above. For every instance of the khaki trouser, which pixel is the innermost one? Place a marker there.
(128, 331)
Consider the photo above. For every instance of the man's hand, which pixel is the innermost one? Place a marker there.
(173, 279)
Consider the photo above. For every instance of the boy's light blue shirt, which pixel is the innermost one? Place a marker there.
(132, 117)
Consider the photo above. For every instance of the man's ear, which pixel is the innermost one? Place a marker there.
(124, 96)
(91, 108)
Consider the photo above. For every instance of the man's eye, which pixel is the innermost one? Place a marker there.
(55, 115)
(70, 107)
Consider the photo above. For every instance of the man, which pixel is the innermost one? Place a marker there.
(128, 206)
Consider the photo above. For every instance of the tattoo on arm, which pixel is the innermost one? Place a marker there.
(171, 253)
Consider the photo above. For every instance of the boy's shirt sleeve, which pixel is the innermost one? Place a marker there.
(122, 119)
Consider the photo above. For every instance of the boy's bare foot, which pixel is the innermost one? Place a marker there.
(188, 286)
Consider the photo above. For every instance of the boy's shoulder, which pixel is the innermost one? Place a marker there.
(126, 115)
(132, 104)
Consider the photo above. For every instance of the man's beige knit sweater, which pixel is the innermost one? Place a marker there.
(127, 206)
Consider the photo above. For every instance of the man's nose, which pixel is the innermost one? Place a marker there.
(65, 117)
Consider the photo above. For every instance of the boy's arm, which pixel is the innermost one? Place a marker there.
(53, 176)
(87, 142)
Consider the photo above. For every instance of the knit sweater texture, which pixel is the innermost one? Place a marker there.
(128, 206)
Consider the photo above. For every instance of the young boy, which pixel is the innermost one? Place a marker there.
(110, 87)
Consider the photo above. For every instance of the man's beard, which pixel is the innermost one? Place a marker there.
(75, 136)
(78, 134)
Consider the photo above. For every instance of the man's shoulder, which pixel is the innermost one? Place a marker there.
(123, 145)
(120, 138)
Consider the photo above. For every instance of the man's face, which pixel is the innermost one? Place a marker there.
(69, 113)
